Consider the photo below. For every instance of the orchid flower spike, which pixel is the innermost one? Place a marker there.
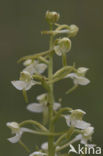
(75, 119)
(34, 67)
(16, 129)
(25, 82)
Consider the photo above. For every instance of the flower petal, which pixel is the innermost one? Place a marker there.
(81, 80)
(30, 68)
(68, 119)
(80, 124)
(71, 75)
(15, 139)
(58, 51)
(26, 130)
(27, 62)
(35, 107)
(30, 84)
(20, 85)
(40, 68)
(82, 70)
(56, 106)
(44, 146)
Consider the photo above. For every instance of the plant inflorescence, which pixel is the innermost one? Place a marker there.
(35, 65)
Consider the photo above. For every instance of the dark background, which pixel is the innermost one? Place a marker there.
(20, 24)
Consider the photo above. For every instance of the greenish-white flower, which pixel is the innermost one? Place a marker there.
(42, 105)
(73, 30)
(37, 153)
(25, 82)
(79, 77)
(75, 119)
(86, 135)
(63, 46)
(35, 67)
(18, 131)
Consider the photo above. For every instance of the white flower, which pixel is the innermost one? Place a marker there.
(35, 67)
(63, 46)
(78, 80)
(42, 105)
(86, 135)
(37, 154)
(75, 119)
(17, 130)
(79, 77)
(25, 81)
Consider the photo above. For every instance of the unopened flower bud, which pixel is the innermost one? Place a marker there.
(52, 17)
(73, 30)
(63, 46)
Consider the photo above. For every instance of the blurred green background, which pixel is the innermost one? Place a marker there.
(20, 24)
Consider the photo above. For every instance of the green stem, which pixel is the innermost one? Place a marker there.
(60, 112)
(24, 146)
(72, 89)
(35, 56)
(25, 96)
(64, 60)
(67, 135)
(66, 145)
(51, 148)
(34, 123)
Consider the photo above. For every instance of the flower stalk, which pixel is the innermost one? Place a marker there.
(51, 149)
